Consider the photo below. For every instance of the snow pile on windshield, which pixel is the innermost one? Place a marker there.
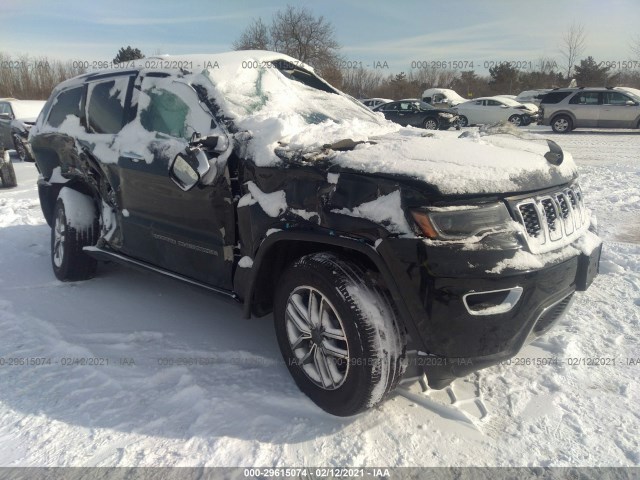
(278, 107)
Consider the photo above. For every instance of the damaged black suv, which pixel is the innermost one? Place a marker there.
(384, 252)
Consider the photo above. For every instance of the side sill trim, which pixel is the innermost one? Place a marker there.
(102, 254)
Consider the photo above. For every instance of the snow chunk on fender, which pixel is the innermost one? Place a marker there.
(245, 262)
(386, 210)
(274, 204)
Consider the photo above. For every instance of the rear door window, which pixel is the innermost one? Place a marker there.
(555, 97)
(107, 105)
(66, 103)
(585, 98)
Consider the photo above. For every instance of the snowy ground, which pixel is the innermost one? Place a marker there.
(242, 408)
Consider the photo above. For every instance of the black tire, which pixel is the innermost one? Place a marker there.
(373, 342)
(21, 150)
(463, 121)
(515, 120)
(68, 260)
(7, 173)
(431, 123)
(562, 124)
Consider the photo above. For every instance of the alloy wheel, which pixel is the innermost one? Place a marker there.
(59, 229)
(317, 337)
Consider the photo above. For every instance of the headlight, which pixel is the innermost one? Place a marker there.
(455, 223)
(445, 115)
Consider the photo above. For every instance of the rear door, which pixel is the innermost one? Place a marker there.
(616, 112)
(586, 106)
(494, 111)
(190, 233)
(391, 111)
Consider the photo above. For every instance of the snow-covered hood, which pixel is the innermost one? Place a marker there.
(474, 164)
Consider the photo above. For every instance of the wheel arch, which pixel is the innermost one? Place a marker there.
(279, 250)
(48, 193)
(563, 112)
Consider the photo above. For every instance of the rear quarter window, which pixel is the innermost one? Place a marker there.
(66, 103)
(106, 108)
(555, 97)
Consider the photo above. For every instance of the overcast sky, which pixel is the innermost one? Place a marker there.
(395, 31)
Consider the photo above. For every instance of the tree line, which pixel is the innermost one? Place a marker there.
(297, 32)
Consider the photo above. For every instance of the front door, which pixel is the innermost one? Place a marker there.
(586, 107)
(190, 233)
(617, 112)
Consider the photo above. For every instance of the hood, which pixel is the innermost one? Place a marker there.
(479, 163)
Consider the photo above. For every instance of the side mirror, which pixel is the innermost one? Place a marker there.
(504, 106)
(5, 116)
(630, 103)
(187, 169)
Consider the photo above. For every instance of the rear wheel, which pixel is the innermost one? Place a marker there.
(7, 173)
(562, 124)
(338, 334)
(430, 124)
(75, 225)
(515, 120)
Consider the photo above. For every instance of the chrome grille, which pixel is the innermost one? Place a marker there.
(551, 215)
(531, 219)
(550, 218)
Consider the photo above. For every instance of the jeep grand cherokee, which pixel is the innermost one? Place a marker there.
(384, 252)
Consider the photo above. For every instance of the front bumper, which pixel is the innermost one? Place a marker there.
(453, 341)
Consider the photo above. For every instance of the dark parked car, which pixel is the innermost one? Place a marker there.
(16, 118)
(419, 114)
(566, 109)
(383, 253)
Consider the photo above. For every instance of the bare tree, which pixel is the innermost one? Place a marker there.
(635, 45)
(255, 37)
(572, 45)
(360, 82)
(297, 32)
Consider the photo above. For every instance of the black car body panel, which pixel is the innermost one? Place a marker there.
(203, 233)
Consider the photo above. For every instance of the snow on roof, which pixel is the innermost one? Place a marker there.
(507, 100)
(451, 94)
(286, 107)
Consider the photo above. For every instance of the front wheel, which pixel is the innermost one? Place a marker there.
(75, 225)
(562, 124)
(430, 124)
(515, 120)
(338, 334)
(463, 121)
